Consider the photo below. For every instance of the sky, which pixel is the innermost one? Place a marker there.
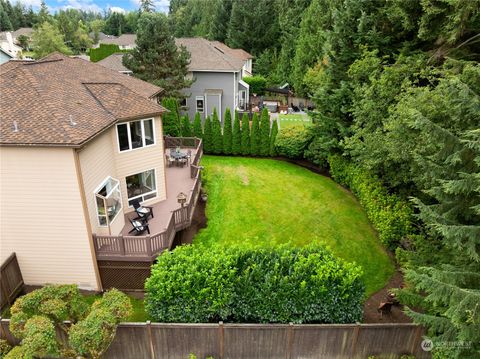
(96, 5)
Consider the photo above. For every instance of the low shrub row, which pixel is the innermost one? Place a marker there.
(274, 285)
(103, 51)
(390, 215)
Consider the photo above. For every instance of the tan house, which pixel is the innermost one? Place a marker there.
(79, 145)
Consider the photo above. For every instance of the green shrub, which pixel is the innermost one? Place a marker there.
(17, 352)
(208, 136)
(255, 136)
(236, 136)
(217, 137)
(197, 126)
(269, 285)
(245, 144)
(227, 132)
(171, 119)
(103, 51)
(264, 146)
(273, 137)
(186, 127)
(39, 337)
(257, 84)
(291, 141)
(4, 348)
(390, 215)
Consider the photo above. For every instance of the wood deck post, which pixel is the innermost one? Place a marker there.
(221, 337)
(149, 245)
(356, 331)
(150, 339)
(121, 243)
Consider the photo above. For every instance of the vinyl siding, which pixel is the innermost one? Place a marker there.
(96, 162)
(42, 218)
(139, 160)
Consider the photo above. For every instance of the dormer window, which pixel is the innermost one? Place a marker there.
(135, 134)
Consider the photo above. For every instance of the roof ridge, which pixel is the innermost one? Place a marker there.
(222, 54)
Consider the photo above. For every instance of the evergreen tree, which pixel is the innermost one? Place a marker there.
(156, 58)
(264, 146)
(237, 136)
(171, 119)
(43, 14)
(227, 132)
(5, 23)
(147, 6)
(217, 137)
(197, 126)
(186, 127)
(273, 136)
(255, 136)
(208, 135)
(245, 148)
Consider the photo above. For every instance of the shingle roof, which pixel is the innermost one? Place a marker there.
(114, 62)
(66, 101)
(122, 40)
(207, 56)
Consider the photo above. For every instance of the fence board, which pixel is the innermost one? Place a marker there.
(11, 280)
(321, 341)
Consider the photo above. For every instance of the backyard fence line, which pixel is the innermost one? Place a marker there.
(260, 341)
(11, 281)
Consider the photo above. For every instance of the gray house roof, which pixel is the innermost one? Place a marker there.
(114, 62)
(122, 40)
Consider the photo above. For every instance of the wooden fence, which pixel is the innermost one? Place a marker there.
(147, 248)
(261, 341)
(11, 281)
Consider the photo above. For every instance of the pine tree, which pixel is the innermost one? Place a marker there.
(208, 135)
(245, 148)
(237, 136)
(264, 146)
(186, 126)
(216, 134)
(5, 23)
(147, 6)
(273, 136)
(171, 119)
(197, 126)
(255, 136)
(227, 132)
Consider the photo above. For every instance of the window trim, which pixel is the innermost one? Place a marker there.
(96, 194)
(196, 104)
(129, 137)
(143, 194)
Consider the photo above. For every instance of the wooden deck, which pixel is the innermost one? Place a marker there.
(169, 216)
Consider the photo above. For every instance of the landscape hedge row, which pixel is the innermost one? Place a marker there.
(390, 215)
(274, 285)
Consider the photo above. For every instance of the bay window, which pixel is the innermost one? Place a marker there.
(108, 201)
(135, 134)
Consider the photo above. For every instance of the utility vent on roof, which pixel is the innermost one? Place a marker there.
(15, 126)
(73, 123)
(219, 50)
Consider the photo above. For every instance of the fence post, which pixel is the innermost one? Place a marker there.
(149, 245)
(150, 339)
(288, 354)
(356, 331)
(121, 243)
(416, 340)
(221, 339)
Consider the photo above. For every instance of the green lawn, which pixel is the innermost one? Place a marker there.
(294, 119)
(138, 310)
(263, 202)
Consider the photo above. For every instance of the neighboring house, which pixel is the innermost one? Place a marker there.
(115, 62)
(4, 56)
(101, 37)
(8, 46)
(78, 144)
(124, 42)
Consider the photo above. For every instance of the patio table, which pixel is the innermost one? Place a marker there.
(178, 155)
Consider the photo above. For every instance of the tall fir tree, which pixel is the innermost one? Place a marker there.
(156, 58)
(186, 127)
(255, 136)
(273, 136)
(147, 6)
(208, 135)
(216, 134)
(5, 23)
(197, 126)
(227, 132)
(171, 119)
(264, 146)
(236, 136)
(245, 148)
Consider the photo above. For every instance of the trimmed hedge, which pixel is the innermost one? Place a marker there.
(103, 51)
(292, 141)
(266, 285)
(257, 84)
(390, 215)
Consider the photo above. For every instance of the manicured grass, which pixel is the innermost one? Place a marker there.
(263, 202)
(138, 310)
(294, 119)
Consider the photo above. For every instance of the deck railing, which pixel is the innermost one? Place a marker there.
(141, 248)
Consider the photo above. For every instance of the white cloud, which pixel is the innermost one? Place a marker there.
(87, 5)
(117, 9)
(34, 3)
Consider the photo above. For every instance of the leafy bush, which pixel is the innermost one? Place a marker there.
(4, 348)
(257, 84)
(103, 51)
(391, 216)
(291, 141)
(282, 284)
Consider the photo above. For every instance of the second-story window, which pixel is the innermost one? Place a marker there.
(135, 134)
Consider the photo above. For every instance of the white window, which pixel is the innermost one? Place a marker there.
(135, 134)
(141, 186)
(108, 200)
(200, 100)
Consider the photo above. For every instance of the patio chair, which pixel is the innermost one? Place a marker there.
(189, 155)
(143, 212)
(182, 161)
(139, 227)
(170, 161)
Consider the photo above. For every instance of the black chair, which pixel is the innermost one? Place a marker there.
(143, 212)
(139, 226)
